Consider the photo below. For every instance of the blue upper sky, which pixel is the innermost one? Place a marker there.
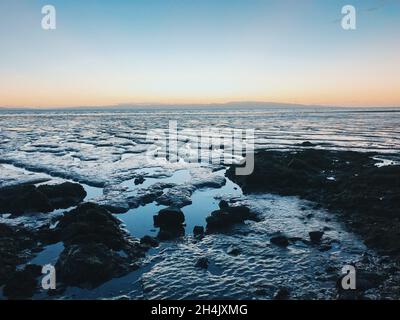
(128, 51)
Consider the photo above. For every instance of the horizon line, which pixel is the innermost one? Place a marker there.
(194, 104)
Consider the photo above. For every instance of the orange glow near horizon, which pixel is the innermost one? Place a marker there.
(388, 96)
(199, 52)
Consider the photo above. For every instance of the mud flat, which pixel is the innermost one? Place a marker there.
(362, 188)
(204, 234)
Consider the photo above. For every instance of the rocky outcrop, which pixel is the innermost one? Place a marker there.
(96, 248)
(350, 183)
(16, 244)
(226, 217)
(23, 283)
(63, 195)
(45, 198)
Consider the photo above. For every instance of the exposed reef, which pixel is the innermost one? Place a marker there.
(366, 194)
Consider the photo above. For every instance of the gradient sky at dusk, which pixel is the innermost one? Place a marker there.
(199, 51)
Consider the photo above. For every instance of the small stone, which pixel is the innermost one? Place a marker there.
(198, 231)
(139, 180)
(316, 236)
(280, 240)
(233, 251)
(202, 263)
(307, 144)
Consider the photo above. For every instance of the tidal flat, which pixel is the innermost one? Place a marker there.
(77, 192)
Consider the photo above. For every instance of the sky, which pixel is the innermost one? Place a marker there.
(199, 51)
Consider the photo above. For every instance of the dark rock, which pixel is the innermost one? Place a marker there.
(96, 248)
(369, 280)
(366, 196)
(45, 198)
(233, 251)
(170, 221)
(23, 283)
(90, 222)
(139, 180)
(34, 269)
(198, 231)
(364, 281)
(149, 241)
(202, 263)
(282, 294)
(23, 199)
(16, 247)
(224, 218)
(307, 144)
(89, 265)
(316, 236)
(169, 218)
(223, 204)
(63, 195)
(280, 240)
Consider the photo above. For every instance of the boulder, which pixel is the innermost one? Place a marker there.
(23, 283)
(63, 195)
(169, 218)
(23, 199)
(96, 248)
(90, 222)
(224, 218)
(89, 265)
